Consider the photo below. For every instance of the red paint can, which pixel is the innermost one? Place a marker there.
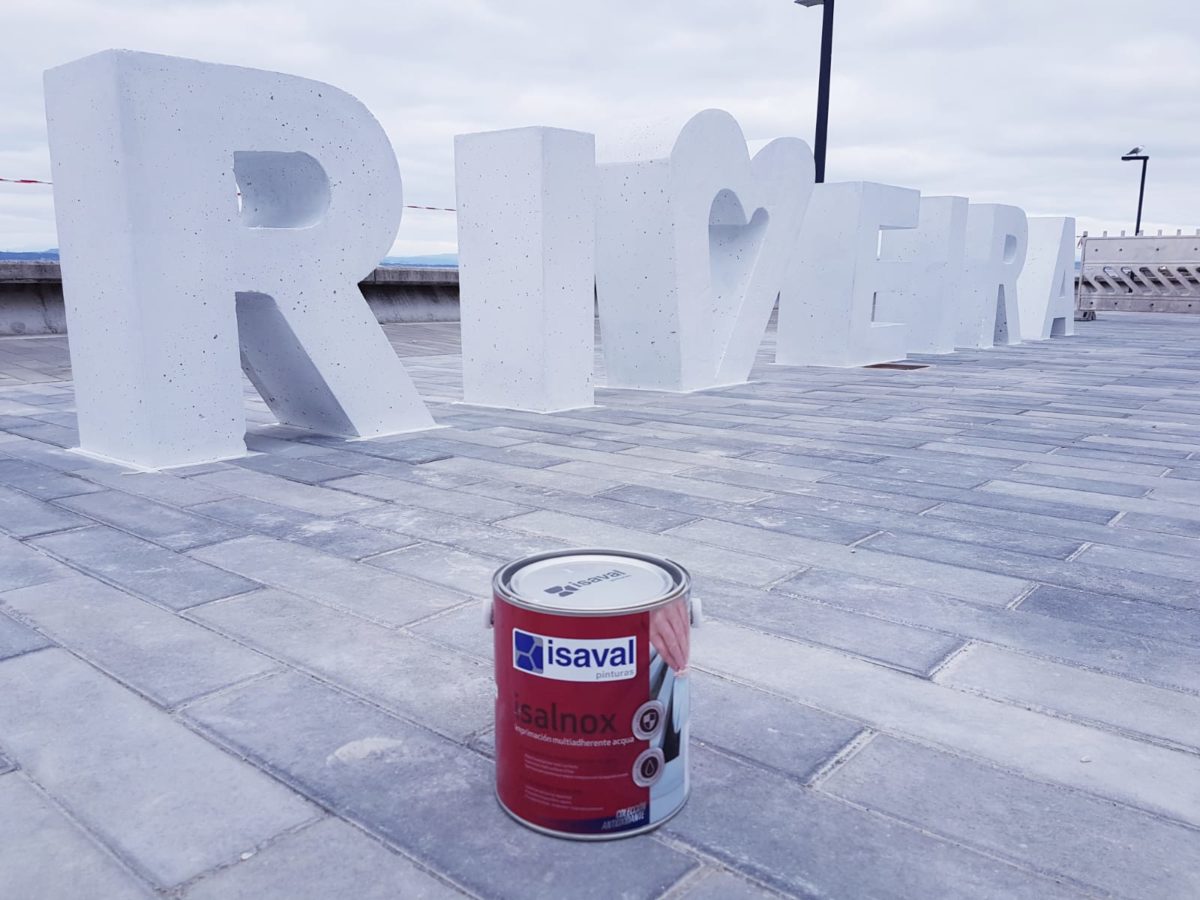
(592, 691)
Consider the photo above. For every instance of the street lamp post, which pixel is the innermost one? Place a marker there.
(1139, 153)
(823, 87)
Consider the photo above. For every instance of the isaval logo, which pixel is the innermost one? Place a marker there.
(566, 590)
(575, 659)
(527, 652)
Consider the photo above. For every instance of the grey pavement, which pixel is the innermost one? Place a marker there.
(953, 646)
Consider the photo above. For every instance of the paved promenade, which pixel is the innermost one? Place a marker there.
(953, 647)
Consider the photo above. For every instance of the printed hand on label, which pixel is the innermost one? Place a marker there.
(669, 634)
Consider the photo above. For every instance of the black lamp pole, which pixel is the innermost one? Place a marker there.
(822, 135)
(1137, 154)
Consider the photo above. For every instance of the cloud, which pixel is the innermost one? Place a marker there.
(1026, 101)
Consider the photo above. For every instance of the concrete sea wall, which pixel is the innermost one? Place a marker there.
(31, 297)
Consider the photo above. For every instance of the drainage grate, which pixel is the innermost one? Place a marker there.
(904, 366)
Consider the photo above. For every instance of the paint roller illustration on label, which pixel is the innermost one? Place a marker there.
(592, 691)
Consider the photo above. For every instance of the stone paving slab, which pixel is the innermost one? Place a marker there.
(722, 885)
(1091, 576)
(165, 487)
(44, 854)
(328, 860)
(455, 531)
(160, 655)
(455, 502)
(894, 521)
(1117, 613)
(420, 681)
(742, 564)
(1045, 527)
(460, 629)
(24, 516)
(792, 615)
(1056, 635)
(1140, 709)
(839, 529)
(171, 804)
(159, 523)
(16, 638)
(297, 495)
(771, 731)
(1161, 523)
(41, 482)
(170, 579)
(337, 536)
(954, 646)
(1109, 764)
(1100, 846)
(22, 565)
(980, 586)
(1144, 561)
(1104, 504)
(455, 569)
(822, 848)
(425, 796)
(365, 591)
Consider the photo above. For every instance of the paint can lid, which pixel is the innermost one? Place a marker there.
(591, 582)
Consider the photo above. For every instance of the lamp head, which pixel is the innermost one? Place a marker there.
(811, 2)
(1136, 153)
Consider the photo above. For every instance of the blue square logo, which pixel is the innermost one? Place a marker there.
(527, 652)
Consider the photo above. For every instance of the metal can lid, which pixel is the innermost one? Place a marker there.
(590, 582)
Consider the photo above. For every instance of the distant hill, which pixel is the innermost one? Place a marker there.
(437, 259)
(30, 254)
(444, 260)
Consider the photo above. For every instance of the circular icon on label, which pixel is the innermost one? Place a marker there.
(648, 719)
(648, 767)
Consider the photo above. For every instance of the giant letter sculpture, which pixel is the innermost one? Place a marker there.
(827, 310)
(997, 239)
(1047, 285)
(691, 243)
(167, 283)
(935, 249)
(526, 258)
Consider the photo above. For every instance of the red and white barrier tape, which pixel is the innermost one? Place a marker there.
(23, 181)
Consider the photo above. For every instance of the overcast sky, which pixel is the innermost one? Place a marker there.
(1029, 102)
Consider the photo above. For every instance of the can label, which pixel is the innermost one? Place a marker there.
(591, 719)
